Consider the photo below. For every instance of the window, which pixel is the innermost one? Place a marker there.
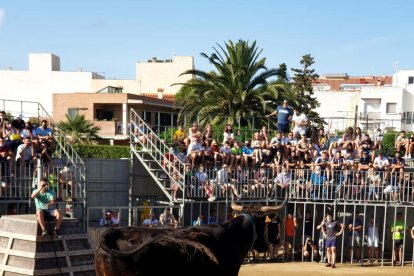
(410, 80)
(104, 114)
(391, 107)
(73, 112)
(165, 119)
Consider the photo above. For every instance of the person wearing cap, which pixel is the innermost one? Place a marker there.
(284, 116)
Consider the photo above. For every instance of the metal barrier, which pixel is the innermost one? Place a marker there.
(303, 184)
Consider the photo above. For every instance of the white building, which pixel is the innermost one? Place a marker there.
(44, 78)
(369, 106)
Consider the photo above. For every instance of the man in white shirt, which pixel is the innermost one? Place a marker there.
(195, 151)
(299, 122)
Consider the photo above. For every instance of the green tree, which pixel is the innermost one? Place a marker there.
(235, 91)
(79, 130)
(302, 90)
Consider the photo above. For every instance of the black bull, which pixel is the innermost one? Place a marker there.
(211, 250)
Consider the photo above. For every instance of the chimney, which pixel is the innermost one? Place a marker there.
(378, 82)
(160, 92)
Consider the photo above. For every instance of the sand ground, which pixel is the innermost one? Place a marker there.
(308, 269)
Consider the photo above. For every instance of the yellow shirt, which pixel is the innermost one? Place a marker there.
(179, 135)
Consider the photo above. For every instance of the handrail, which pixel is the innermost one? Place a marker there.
(173, 168)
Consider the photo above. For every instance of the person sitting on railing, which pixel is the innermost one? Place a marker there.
(367, 145)
(26, 153)
(208, 134)
(397, 174)
(283, 180)
(302, 146)
(348, 136)
(319, 183)
(277, 143)
(228, 134)
(337, 171)
(223, 179)
(207, 154)
(179, 137)
(278, 162)
(189, 180)
(237, 152)
(378, 138)
(324, 164)
(410, 148)
(257, 146)
(261, 180)
(215, 150)
(45, 154)
(374, 181)
(201, 179)
(248, 155)
(195, 152)
(401, 143)
(29, 131)
(381, 166)
(322, 140)
(292, 161)
(358, 137)
(193, 133)
(226, 155)
(290, 143)
(6, 157)
(364, 162)
(334, 147)
(44, 133)
(11, 135)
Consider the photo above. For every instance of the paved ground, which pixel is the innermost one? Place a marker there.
(308, 269)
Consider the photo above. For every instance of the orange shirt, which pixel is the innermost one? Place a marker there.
(289, 227)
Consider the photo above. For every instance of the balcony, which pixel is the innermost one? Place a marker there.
(370, 115)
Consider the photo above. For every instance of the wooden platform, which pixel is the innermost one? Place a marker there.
(23, 251)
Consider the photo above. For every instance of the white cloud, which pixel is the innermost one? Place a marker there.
(1, 16)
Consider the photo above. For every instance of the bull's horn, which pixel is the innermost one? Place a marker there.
(234, 206)
(275, 208)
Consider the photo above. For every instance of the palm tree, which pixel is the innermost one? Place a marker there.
(79, 130)
(237, 90)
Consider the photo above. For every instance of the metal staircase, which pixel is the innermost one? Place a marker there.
(66, 171)
(158, 159)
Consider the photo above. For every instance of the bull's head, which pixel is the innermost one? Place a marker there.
(258, 214)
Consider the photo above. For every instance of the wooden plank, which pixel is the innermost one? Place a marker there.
(32, 255)
(68, 261)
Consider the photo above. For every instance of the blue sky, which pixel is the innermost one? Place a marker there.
(354, 37)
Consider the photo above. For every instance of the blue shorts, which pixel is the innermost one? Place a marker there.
(331, 243)
(284, 128)
(49, 213)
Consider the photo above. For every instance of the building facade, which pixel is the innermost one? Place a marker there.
(44, 77)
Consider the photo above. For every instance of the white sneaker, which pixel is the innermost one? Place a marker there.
(211, 198)
(409, 156)
(405, 156)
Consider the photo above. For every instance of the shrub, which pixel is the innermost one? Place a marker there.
(102, 151)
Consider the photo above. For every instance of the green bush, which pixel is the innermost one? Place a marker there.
(102, 151)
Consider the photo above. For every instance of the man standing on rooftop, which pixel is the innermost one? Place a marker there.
(284, 116)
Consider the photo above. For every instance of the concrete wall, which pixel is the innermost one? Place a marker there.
(400, 79)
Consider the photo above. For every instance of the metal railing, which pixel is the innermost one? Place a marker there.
(63, 149)
(301, 184)
(144, 139)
